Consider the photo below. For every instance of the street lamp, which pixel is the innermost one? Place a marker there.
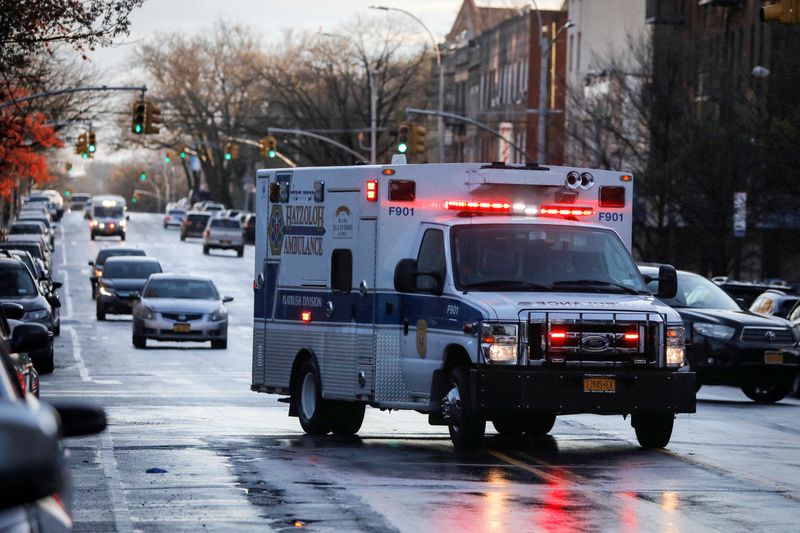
(373, 105)
(440, 107)
(545, 44)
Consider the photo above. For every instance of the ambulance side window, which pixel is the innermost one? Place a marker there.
(430, 259)
(341, 270)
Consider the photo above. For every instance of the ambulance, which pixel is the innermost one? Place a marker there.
(467, 292)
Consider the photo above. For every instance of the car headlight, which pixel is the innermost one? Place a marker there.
(219, 314)
(105, 292)
(98, 273)
(499, 343)
(36, 314)
(676, 345)
(144, 312)
(715, 331)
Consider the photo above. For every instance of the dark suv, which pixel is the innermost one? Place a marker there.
(99, 263)
(122, 280)
(728, 346)
(194, 223)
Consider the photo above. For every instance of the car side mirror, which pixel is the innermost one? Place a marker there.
(135, 295)
(405, 275)
(57, 284)
(29, 338)
(667, 281)
(226, 299)
(91, 263)
(13, 310)
(32, 462)
(79, 420)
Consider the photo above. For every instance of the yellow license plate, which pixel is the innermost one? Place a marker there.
(181, 328)
(773, 358)
(601, 385)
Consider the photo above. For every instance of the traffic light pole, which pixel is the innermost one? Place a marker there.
(71, 90)
(322, 138)
(520, 149)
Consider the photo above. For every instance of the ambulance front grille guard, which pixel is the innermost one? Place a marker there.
(593, 338)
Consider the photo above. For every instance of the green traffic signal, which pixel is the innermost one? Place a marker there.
(85, 155)
(92, 148)
(67, 193)
(133, 200)
(272, 153)
(138, 128)
(183, 155)
(227, 156)
(143, 176)
(402, 147)
(167, 159)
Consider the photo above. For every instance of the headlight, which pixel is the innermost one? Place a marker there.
(102, 225)
(499, 343)
(675, 345)
(36, 314)
(105, 292)
(219, 314)
(144, 312)
(715, 331)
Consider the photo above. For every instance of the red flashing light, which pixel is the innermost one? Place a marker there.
(566, 210)
(305, 316)
(485, 207)
(631, 337)
(372, 190)
(558, 338)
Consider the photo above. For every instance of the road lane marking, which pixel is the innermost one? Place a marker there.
(122, 514)
(76, 354)
(63, 246)
(67, 297)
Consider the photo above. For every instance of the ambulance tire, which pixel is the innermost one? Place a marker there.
(314, 412)
(539, 425)
(508, 427)
(347, 418)
(653, 430)
(468, 430)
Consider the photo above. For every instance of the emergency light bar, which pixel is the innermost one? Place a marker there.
(566, 210)
(484, 207)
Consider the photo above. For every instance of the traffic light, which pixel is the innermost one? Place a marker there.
(139, 117)
(91, 147)
(152, 118)
(231, 151)
(168, 158)
(268, 146)
(134, 199)
(416, 141)
(67, 193)
(784, 11)
(80, 146)
(402, 137)
(143, 176)
(184, 150)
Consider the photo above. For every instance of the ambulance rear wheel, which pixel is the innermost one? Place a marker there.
(466, 426)
(653, 430)
(314, 412)
(508, 427)
(347, 418)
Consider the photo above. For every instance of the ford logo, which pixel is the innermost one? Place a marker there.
(769, 335)
(594, 343)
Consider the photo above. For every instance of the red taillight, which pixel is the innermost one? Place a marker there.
(372, 190)
(566, 210)
(167, 218)
(305, 316)
(206, 233)
(483, 207)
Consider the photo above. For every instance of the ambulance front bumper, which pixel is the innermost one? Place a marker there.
(504, 390)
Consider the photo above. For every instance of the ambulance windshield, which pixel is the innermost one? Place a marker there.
(517, 257)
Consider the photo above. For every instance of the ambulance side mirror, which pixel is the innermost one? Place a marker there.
(667, 281)
(405, 275)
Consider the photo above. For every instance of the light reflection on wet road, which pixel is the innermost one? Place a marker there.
(235, 461)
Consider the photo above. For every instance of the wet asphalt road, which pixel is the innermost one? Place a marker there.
(234, 461)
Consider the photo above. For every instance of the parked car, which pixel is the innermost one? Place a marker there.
(100, 261)
(123, 279)
(224, 234)
(744, 292)
(47, 287)
(231, 213)
(212, 207)
(249, 228)
(729, 346)
(37, 208)
(18, 286)
(23, 365)
(180, 308)
(42, 200)
(35, 489)
(174, 217)
(194, 223)
(78, 201)
(775, 302)
(36, 248)
(26, 230)
(27, 216)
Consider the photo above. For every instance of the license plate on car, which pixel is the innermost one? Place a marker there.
(225, 242)
(181, 328)
(773, 358)
(600, 385)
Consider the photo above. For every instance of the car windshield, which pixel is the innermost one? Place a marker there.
(16, 282)
(699, 293)
(195, 289)
(106, 211)
(32, 249)
(24, 229)
(225, 223)
(176, 212)
(542, 258)
(130, 270)
(102, 255)
(43, 221)
(38, 199)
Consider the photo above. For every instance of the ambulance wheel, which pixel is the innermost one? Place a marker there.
(347, 418)
(314, 412)
(538, 425)
(508, 427)
(466, 427)
(653, 430)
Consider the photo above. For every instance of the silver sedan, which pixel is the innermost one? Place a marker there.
(180, 307)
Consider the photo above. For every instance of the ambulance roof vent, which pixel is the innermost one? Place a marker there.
(399, 159)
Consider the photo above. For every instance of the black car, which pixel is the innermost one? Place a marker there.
(728, 346)
(194, 223)
(47, 287)
(99, 263)
(123, 278)
(18, 286)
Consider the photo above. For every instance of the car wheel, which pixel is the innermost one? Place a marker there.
(101, 312)
(240, 251)
(653, 430)
(466, 427)
(766, 390)
(139, 341)
(347, 418)
(44, 363)
(221, 344)
(205, 250)
(314, 412)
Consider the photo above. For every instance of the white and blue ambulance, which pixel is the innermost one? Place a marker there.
(470, 292)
